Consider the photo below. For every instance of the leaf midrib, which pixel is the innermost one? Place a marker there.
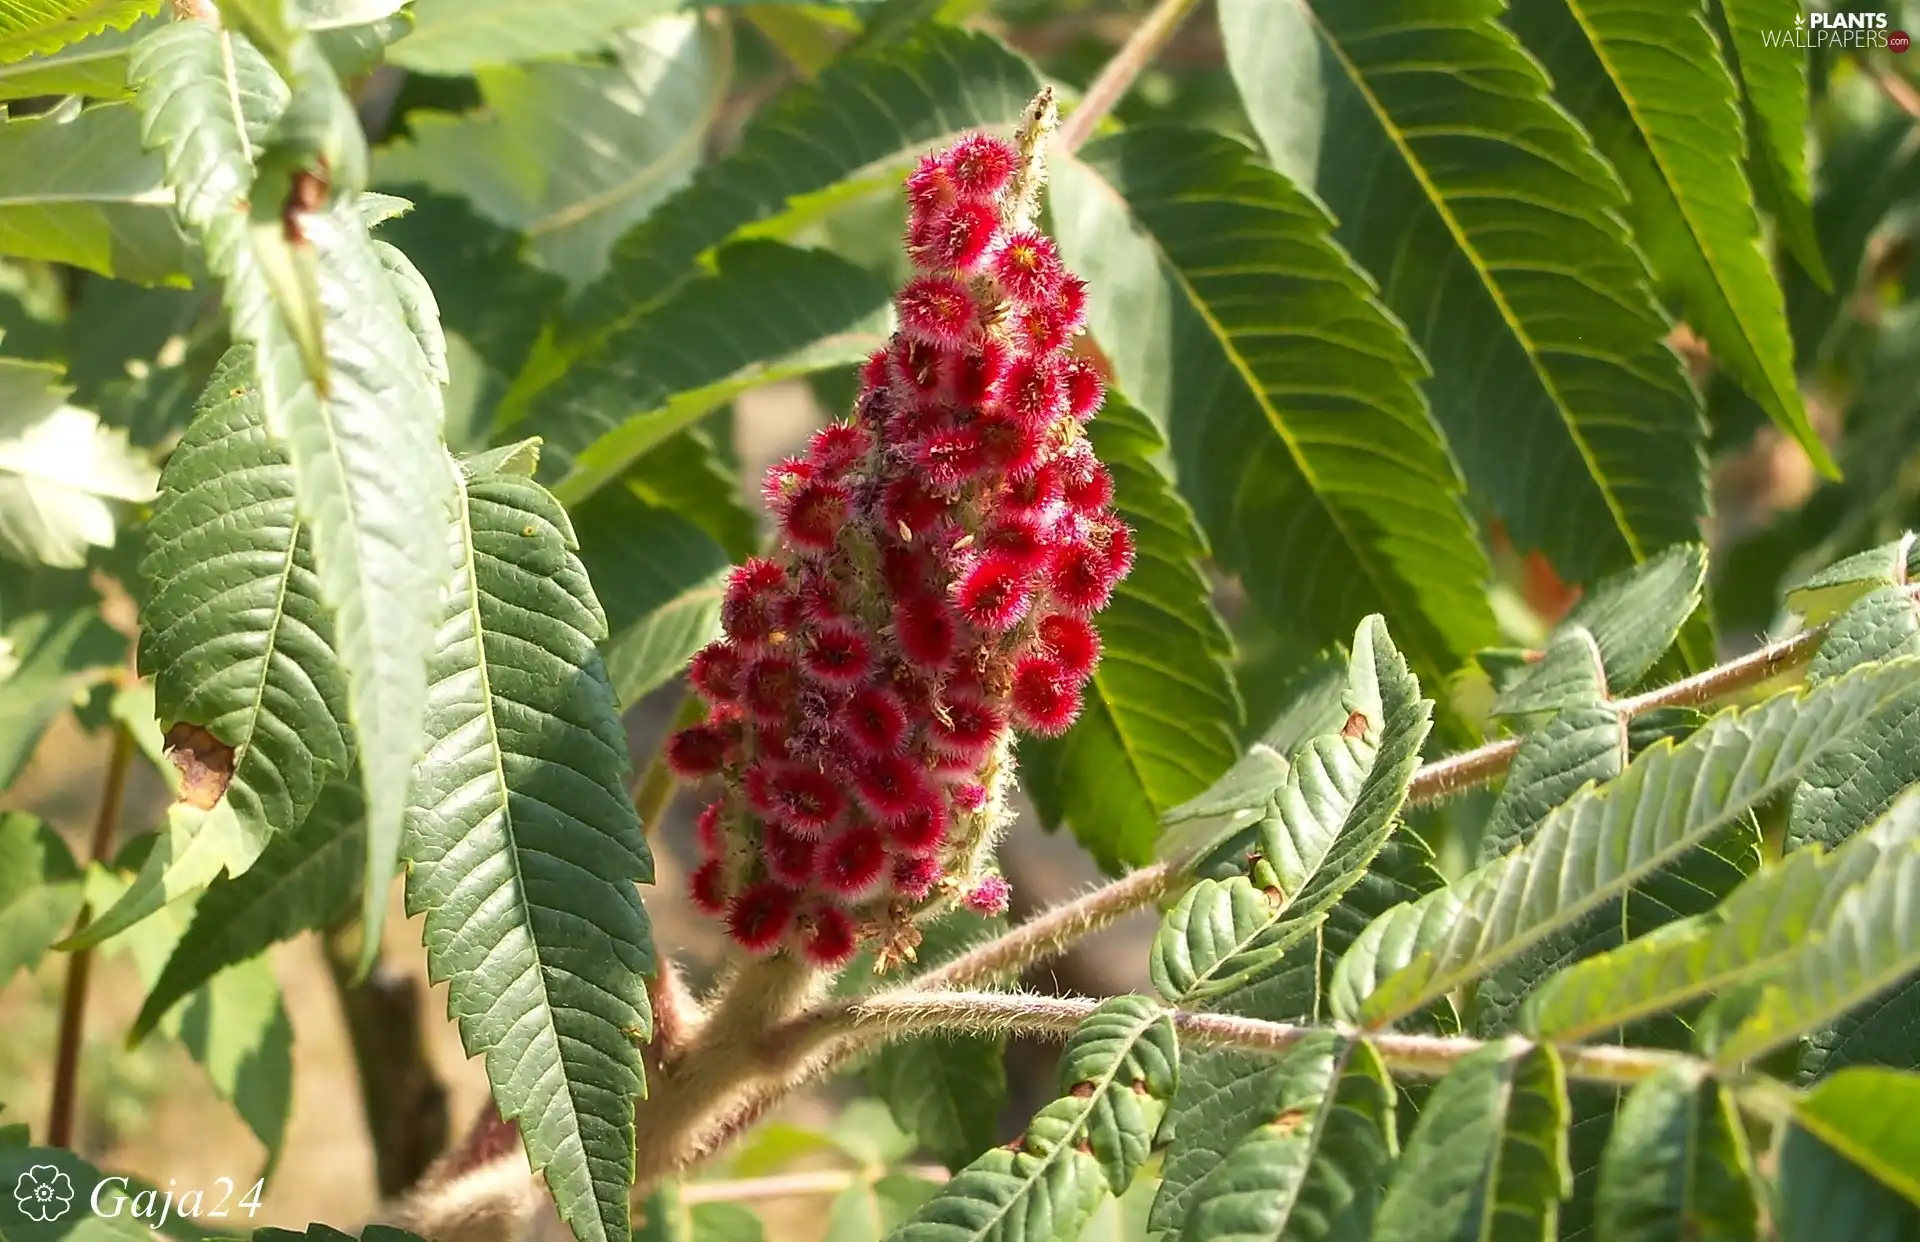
(1454, 229)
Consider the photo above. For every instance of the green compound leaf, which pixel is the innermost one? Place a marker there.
(64, 477)
(1308, 1175)
(1323, 828)
(1774, 85)
(1050, 1186)
(850, 133)
(946, 1092)
(303, 880)
(524, 849)
(1291, 396)
(95, 67)
(30, 27)
(1161, 712)
(234, 632)
(1488, 1158)
(1647, 80)
(452, 37)
(1605, 842)
(1430, 133)
(1677, 1165)
(75, 187)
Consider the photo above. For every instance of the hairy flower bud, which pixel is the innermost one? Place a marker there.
(940, 556)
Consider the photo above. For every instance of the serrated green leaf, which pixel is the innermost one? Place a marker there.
(1310, 1175)
(303, 880)
(1585, 741)
(1326, 823)
(75, 187)
(699, 478)
(1236, 323)
(1676, 1165)
(1014, 1196)
(1124, 1060)
(1560, 399)
(1822, 1195)
(768, 312)
(61, 471)
(1488, 1157)
(233, 631)
(39, 26)
(39, 891)
(1570, 673)
(848, 133)
(947, 1092)
(660, 578)
(452, 37)
(1878, 1033)
(1605, 842)
(1761, 925)
(1866, 1116)
(1161, 711)
(1647, 80)
(524, 849)
(1636, 614)
(95, 66)
(571, 153)
(362, 431)
(1826, 593)
(1773, 83)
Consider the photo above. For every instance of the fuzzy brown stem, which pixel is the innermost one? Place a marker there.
(896, 1015)
(73, 999)
(1120, 73)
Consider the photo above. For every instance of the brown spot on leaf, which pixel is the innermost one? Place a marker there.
(1140, 1086)
(1018, 1144)
(308, 193)
(1082, 1090)
(1356, 725)
(205, 763)
(1290, 1120)
(1085, 1145)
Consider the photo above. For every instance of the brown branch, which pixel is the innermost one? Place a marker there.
(73, 1000)
(1118, 76)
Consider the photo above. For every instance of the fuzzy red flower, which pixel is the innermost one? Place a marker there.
(1071, 640)
(1046, 697)
(1013, 446)
(1070, 305)
(1028, 267)
(697, 751)
(1085, 389)
(929, 188)
(925, 631)
(968, 377)
(837, 448)
(980, 166)
(921, 830)
(806, 800)
(813, 514)
(707, 886)
(891, 786)
(852, 863)
(759, 917)
(1089, 485)
(1032, 390)
(968, 795)
(715, 672)
(951, 458)
(955, 238)
(875, 720)
(1084, 574)
(915, 875)
(910, 504)
(829, 939)
(990, 896)
(1041, 330)
(938, 310)
(840, 654)
(789, 856)
(916, 367)
(1020, 539)
(749, 609)
(995, 594)
(770, 685)
(965, 730)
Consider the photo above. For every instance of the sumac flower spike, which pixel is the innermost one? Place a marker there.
(941, 555)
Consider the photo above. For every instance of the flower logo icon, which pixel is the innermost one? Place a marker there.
(43, 1193)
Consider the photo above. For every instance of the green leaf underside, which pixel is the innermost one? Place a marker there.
(1647, 79)
(371, 481)
(865, 115)
(1236, 323)
(76, 188)
(1161, 712)
(574, 153)
(31, 27)
(1606, 841)
(1676, 1165)
(458, 36)
(769, 312)
(1052, 1184)
(946, 1092)
(1323, 828)
(524, 850)
(1567, 411)
(305, 878)
(1488, 1158)
(1308, 1175)
(63, 475)
(1775, 89)
(234, 632)
(1761, 925)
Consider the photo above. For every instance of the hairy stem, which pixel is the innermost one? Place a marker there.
(1120, 73)
(896, 1015)
(793, 1185)
(73, 1000)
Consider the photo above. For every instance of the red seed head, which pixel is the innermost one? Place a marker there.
(837, 448)
(829, 939)
(813, 514)
(783, 479)
(929, 188)
(1085, 572)
(1013, 446)
(708, 886)
(1071, 641)
(925, 631)
(967, 732)
(749, 610)
(1040, 330)
(852, 863)
(1020, 539)
(955, 239)
(1032, 390)
(969, 375)
(1046, 697)
(715, 672)
(921, 830)
(980, 166)
(839, 654)
(875, 720)
(771, 684)
(806, 799)
(1070, 304)
(968, 795)
(913, 504)
(1085, 389)
(915, 875)
(876, 370)
(790, 857)
(891, 785)
(697, 751)
(949, 458)
(1089, 485)
(938, 310)
(995, 594)
(760, 916)
(990, 896)
(1029, 269)
(915, 367)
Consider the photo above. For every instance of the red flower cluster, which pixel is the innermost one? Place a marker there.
(942, 554)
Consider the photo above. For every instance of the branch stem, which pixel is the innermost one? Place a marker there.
(894, 1015)
(793, 1185)
(73, 1000)
(1120, 73)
